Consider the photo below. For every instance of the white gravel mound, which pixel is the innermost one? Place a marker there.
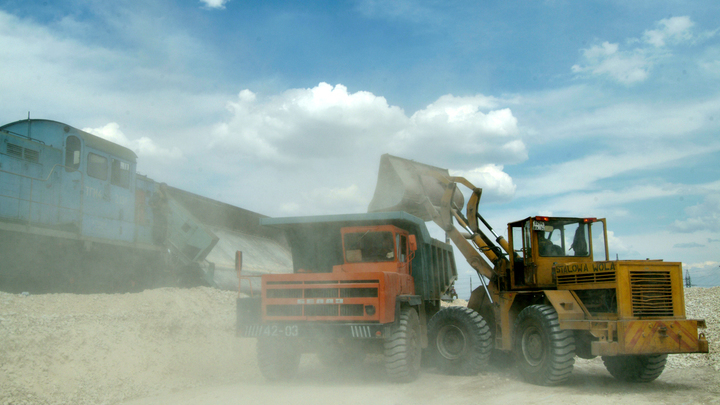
(102, 349)
(702, 303)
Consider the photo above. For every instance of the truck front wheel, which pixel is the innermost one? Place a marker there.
(277, 359)
(460, 341)
(636, 368)
(545, 354)
(402, 348)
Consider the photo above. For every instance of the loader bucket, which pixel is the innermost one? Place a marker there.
(405, 185)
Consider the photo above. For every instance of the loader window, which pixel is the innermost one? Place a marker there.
(563, 238)
(369, 246)
(598, 242)
(518, 250)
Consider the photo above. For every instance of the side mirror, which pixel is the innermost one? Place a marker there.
(413, 243)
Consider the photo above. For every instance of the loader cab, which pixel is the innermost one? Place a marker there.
(377, 248)
(541, 243)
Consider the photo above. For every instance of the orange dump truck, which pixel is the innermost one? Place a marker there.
(361, 283)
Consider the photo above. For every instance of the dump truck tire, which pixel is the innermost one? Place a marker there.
(459, 341)
(544, 353)
(402, 348)
(637, 368)
(277, 359)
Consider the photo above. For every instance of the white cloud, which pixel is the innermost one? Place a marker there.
(607, 202)
(588, 113)
(456, 126)
(691, 245)
(703, 216)
(583, 173)
(633, 66)
(328, 121)
(301, 124)
(673, 30)
(624, 67)
(325, 199)
(59, 75)
(702, 265)
(144, 147)
(214, 3)
(616, 245)
(327, 142)
(496, 184)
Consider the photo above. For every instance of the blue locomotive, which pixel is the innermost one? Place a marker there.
(76, 217)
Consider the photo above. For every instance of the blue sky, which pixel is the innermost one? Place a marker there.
(593, 108)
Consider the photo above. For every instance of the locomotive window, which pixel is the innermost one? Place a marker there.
(72, 153)
(120, 173)
(97, 166)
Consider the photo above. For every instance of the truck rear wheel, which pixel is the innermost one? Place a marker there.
(460, 341)
(637, 368)
(277, 359)
(545, 354)
(402, 348)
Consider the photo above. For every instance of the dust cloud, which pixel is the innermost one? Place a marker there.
(179, 346)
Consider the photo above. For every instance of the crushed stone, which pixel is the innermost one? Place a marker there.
(110, 348)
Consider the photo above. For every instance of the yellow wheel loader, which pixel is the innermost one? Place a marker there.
(552, 293)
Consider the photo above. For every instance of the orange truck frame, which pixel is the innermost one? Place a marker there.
(361, 283)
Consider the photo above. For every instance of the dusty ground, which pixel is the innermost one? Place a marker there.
(178, 346)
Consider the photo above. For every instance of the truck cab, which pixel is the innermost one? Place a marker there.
(377, 248)
(360, 283)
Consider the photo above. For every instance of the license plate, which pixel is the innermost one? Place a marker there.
(270, 331)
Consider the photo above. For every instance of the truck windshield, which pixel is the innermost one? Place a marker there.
(563, 238)
(369, 246)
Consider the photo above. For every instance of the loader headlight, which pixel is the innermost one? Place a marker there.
(370, 309)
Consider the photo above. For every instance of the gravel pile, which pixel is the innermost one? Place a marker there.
(702, 303)
(104, 349)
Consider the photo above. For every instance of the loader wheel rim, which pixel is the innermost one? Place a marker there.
(533, 349)
(451, 342)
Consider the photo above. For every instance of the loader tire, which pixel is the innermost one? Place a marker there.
(277, 359)
(459, 341)
(402, 348)
(636, 368)
(544, 353)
